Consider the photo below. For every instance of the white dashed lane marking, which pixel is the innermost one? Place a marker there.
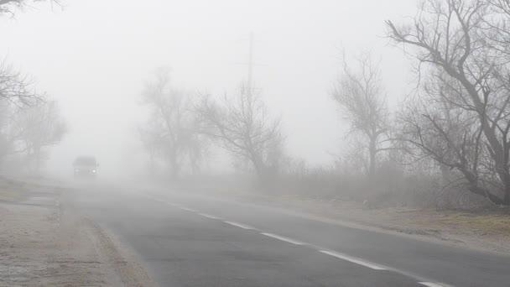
(296, 242)
(236, 224)
(187, 209)
(208, 216)
(283, 238)
(430, 284)
(354, 260)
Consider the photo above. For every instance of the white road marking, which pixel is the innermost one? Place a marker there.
(239, 225)
(354, 260)
(187, 209)
(296, 242)
(431, 284)
(282, 238)
(208, 216)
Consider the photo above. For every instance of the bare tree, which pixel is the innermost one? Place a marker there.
(436, 126)
(172, 128)
(5, 144)
(16, 94)
(34, 128)
(150, 137)
(20, 103)
(362, 100)
(9, 6)
(449, 37)
(17, 88)
(245, 129)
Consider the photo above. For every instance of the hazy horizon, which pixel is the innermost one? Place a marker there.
(93, 57)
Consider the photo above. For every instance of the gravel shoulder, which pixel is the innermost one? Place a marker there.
(47, 245)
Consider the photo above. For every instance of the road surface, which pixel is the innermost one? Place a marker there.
(191, 240)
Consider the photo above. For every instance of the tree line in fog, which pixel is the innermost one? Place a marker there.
(447, 144)
(450, 137)
(30, 121)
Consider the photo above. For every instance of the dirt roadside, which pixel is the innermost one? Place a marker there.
(483, 231)
(48, 245)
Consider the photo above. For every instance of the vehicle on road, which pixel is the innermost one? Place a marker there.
(85, 166)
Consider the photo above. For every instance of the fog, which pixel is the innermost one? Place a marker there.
(254, 143)
(93, 57)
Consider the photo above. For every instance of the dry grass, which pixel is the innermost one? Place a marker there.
(486, 223)
(12, 192)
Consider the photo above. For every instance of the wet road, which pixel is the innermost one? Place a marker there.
(187, 240)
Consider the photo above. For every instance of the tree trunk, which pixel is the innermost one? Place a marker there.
(445, 174)
(372, 150)
(498, 153)
(261, 169)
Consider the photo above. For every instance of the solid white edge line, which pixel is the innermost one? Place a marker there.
(354, 260)
(282, 238)
(289, 240)
(236, 224)
(208, 216)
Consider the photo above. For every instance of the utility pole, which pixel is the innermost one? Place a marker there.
(249, 82)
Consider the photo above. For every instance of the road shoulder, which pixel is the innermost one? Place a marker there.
(47, 244)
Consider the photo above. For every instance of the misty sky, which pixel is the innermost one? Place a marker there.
(93, 57)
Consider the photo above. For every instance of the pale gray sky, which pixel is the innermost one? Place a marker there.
(94, 55)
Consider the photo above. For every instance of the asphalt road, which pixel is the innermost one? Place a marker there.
(187, 240)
